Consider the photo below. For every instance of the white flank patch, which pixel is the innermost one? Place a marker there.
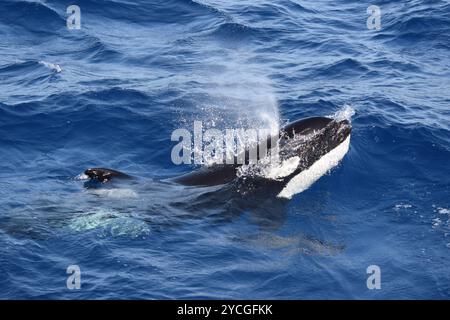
(306, 178)
(285, 169)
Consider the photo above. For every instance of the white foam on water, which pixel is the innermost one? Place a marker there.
(346, 113)
(306, 178)
(443, 211)
(436, 222)
(115, 193)
(90, 221)
(53, 66)
(111, 222)
(402, 206)
(82, 176)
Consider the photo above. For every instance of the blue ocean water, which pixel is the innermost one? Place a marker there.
(111, 93)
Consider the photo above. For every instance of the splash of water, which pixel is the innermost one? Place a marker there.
(246, 96)
(346, 113)
(53, 66)
(239, 98)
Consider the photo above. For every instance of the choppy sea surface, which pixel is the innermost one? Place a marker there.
(111, 93)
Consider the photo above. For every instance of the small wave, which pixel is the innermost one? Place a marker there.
(116, 94)
(342, 69)
(207, 6)
(296, 6)
(28, 73)
(235, 31)
(12, 69)
(420, 22)
(97, 50)
(20, 67)
(31, 16)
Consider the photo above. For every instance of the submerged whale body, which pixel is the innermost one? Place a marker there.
(307, 148)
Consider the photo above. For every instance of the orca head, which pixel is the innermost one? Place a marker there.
(98, 174)
(304, 126)
(104, 175)
(336, 130)
(311, 138)
(344, 128)
(335, 133)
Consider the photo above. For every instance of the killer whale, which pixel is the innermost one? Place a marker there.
(306, 141)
